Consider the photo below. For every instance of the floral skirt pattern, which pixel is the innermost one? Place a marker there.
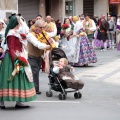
(87, 53)
(117, 38)
(19, 89)
(118, 46)
(99, 43)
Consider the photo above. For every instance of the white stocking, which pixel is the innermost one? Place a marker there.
(105, 45)
(20, 104)
(112, 44)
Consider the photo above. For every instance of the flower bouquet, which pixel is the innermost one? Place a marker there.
(63, 32)
(23, 36)
(65, 26)
(20, 63)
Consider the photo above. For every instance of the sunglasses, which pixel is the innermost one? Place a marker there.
(41, 27)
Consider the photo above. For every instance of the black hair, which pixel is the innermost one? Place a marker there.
(39, 16)
(86, 14)
(14, 14)
(66, 19)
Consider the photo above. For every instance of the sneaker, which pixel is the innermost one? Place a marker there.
(101, 49)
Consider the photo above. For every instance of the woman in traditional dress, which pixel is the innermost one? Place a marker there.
(97, 43)
(66, 32)
(84, 52)
(2, 34)
(101, 38)
(74, 42)
(14, 86)
(118, 33)
(2, 30)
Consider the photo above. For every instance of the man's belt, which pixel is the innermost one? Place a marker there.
(110, 29)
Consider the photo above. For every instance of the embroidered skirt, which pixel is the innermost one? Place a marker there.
(19, 89)
(87, 53)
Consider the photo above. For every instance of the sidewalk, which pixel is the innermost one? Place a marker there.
(107, 69)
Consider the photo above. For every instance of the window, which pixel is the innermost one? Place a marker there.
(69, 7)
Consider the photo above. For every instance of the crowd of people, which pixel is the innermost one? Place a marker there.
(24, 49)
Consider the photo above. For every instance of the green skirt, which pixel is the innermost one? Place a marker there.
(19, 89)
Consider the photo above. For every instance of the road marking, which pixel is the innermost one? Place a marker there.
(56, 102)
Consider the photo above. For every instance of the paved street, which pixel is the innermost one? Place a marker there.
(100, 101)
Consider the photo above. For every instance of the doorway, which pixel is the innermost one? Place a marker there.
(113, 10)
(88, 7)
(47, 6)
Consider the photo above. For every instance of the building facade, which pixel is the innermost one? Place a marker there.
(58, 9)
(7, 7)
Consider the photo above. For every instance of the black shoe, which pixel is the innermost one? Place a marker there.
(2, 107)
(38, 92)
(85, 65)
(19, 106)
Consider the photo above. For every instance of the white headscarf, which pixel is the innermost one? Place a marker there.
(4, 25)
(23, 28)
(3, 34)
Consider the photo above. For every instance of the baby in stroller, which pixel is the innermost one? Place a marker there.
(61, 77)
(65, 72)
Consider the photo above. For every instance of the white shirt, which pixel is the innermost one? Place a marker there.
(93, 28)
(32, 39)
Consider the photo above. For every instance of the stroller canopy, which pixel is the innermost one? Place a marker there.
(56, 54)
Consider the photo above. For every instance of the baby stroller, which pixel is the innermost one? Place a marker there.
(54, 82)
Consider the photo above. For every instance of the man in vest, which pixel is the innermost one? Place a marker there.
(89, 26)
(34, 48)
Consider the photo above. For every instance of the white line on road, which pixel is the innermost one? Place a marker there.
(57, 102)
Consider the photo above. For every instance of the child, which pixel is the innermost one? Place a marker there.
(65, 73)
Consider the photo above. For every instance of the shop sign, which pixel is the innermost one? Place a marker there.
(114, 1)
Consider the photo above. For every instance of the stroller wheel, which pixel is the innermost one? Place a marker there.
(79, 95)
(49, 94)
(62, 97)
(76, 95)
